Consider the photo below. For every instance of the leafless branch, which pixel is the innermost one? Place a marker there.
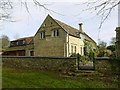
(102, 7)
(6, 6)
(44, 6)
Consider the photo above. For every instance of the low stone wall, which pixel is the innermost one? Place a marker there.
(107, 66)
(62, 64)
(103, 66)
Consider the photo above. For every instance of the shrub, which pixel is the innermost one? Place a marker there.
(83, 59)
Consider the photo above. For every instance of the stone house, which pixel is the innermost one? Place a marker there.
(53, 38)
(117, 42)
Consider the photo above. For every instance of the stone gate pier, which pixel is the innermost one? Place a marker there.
(117, 42)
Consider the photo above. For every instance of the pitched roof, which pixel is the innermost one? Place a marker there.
(70, 30)
(28, 40)
(73, 31)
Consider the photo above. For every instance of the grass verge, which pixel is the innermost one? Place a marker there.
(16, 78)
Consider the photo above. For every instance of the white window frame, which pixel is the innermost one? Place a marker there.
(42, 35)
(73, 48)
(55, 33)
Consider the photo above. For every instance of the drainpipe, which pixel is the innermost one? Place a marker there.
(67, 44)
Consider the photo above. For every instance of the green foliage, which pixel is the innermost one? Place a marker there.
(111, 47)
(101, 47)
(75, 55)
(83, 59)
(113, 40)
(103, 51)
(91, 55)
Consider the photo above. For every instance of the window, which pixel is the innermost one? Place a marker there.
(12, 44)
(71, 48)
(42, 35)
(23, 41)
(17, 43)
(55, 33)
(81, 50)
(31, 53)
(20, 42)
(75, 49)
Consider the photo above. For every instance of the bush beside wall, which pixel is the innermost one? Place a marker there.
(61, 64)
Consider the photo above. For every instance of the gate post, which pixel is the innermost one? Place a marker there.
(117, 44)
(94, 63)
(78, 59)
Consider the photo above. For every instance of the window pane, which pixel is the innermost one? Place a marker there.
(42, 35)
(57, 31)
(71, 49)
(75, 49)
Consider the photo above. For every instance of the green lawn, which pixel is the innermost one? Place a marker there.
(14, 78)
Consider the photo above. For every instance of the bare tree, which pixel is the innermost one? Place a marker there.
(103, 8)
(113, 40)
(6, 6)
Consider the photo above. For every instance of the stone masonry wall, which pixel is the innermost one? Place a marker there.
(61, 64)
(103, 66)
(107, 67)
(50, 46)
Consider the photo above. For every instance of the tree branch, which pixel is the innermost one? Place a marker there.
(103, 8)
(6, 6)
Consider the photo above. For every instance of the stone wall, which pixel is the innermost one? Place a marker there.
(50, 46)
(107, 67)
(118, 42)
(61, 64)
(103, 66)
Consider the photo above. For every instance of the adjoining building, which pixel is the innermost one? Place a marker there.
(21, 47)
(53, 38)
(117, 41)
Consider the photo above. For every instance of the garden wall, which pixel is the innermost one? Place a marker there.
(107, 66)
(62, 64)
(103, 66)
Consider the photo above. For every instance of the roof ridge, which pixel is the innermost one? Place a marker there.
(23, 38)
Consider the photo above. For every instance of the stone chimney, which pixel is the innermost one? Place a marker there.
(81, 27)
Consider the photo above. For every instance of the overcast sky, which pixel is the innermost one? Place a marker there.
(68, 12)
